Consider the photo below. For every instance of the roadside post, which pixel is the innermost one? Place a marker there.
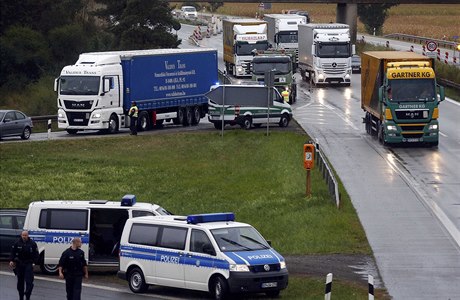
(269, 82)
(49, 129)
(308, 163)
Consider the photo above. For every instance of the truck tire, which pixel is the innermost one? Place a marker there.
(143, 124)
(187, 116)
(180, 117)
(284, 120)
(196, 115)
(247, 123)
(381, 134)
(72, 131)
(113, 124)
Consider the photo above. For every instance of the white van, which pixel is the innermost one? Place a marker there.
(189, 12)
(99, 223)
(207, 252)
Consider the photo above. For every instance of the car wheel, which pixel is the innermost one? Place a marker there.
(113, 124)
(219, 288)
(247, 123)
(196, 115)
(284, 121)
(26, 133)
(136, 281)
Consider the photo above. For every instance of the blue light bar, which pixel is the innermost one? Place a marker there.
(206, 218)
(128, 200)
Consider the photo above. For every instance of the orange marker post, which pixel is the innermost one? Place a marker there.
(308, 163)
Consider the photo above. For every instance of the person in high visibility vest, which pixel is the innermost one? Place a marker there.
(133, 114)
(285, 95)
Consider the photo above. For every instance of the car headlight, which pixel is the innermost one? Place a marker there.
(97, 116)
(239, 268)
(282, 265)
(433, 127)
(391, 128)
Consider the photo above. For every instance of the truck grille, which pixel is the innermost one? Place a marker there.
(78, 104)
(334, 68)
(412, 127)
(78, 118)
(412, 114)
(247, 67)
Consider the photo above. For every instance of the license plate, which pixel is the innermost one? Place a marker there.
(78, 120)
(413, 140)
(269, 284)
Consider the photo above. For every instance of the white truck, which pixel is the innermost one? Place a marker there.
(241, 37)
(282, 31)
(325, 52)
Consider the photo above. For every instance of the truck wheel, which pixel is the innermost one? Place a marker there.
(219, 288)
(144, 121)
(187, 117)
(72, 131)
(113, 124)
(381, 134)
(136, 281)
(180, 117)
(284, 121)
(196, 115)
(247, 123)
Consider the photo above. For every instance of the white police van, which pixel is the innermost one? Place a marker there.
(99, 223)
(208, 252)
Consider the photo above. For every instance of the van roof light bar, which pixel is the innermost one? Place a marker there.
(128, 200)
(207, 218)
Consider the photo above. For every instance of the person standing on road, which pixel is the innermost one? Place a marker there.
(72, 267)
(133, 113)
(24, 254)
(285, 95)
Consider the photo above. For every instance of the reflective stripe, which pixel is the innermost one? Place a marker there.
(136, 111)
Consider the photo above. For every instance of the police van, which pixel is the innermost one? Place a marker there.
(209, 252)
(99, 224)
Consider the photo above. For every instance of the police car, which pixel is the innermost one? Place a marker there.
(99, 223)
(209, 252)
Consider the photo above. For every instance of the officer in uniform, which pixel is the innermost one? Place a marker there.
(72, 267)
(24, 254)
(133, 113)
(285, 95)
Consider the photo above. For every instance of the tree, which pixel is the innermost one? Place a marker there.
(215, 5)
(140, 24)
(373, 16)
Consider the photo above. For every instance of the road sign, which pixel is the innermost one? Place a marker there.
(242, 95)
(431, 45)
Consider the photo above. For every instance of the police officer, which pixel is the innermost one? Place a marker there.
(72, 267)
(24, 254)
(285, 95)
(133, 113)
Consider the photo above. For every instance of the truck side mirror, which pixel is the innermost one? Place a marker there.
(313, 49)
(276, 38)
(56, 84)
(381, 93)
(353, 49)
(442, 96)
(106, 85)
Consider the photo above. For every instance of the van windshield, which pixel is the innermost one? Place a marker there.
(239, 239)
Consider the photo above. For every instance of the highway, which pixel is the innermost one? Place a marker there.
(406, 196)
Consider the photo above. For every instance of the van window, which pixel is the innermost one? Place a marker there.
(142, 213)
(199, 240)
(173, 237)
(143, 234)
(64, 219)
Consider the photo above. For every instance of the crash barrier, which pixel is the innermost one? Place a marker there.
(44, 123)
(223, 78)
(328, 289)
(422, 40)
(328, 175)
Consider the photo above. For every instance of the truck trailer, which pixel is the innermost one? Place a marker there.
(399, 95)
(241, 37)
(325, 52)
(167, 85)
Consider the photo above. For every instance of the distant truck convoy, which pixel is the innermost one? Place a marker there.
(325, 52)
(167, 84)
(399, 96)
(240, 38)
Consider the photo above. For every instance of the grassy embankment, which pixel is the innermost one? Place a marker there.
(259, 178)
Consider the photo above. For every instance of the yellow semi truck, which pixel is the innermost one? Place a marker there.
(400, 98)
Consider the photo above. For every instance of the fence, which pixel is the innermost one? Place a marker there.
(328, 175)
(422, 40)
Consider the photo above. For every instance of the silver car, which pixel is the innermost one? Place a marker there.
(15, 123)
(11, 224)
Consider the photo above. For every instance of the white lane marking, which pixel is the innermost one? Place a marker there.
(94, 286)
(443, 134)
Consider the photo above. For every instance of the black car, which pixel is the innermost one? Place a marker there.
(356, 64)
(15, 123)
(11, 225)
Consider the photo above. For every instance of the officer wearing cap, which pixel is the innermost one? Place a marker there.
(133, 114)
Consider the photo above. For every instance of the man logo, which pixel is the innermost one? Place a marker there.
(267, 268)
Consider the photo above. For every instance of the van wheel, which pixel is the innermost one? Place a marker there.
(136, 281)
(284, 121)
(219, 288)
(247, 123)
(218, 125)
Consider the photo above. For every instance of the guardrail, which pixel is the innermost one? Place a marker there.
(328, 175)
(448, 83)
(223, 78)
(422, 40)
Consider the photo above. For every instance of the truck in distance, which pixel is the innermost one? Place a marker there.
(167, 84)
(240, 38)
(399, 95)
(325, 52)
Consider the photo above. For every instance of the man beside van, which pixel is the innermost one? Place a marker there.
(24, 254)
(72, 267)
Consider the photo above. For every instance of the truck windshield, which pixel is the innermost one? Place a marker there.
(79, 85)
(329, 50)
(288, 37)
(232, 239)
(400, 90)
(280, 68)
(243, 48)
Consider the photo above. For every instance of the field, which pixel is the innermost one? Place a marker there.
(432, 20)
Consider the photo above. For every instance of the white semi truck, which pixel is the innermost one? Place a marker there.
(325, 52)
